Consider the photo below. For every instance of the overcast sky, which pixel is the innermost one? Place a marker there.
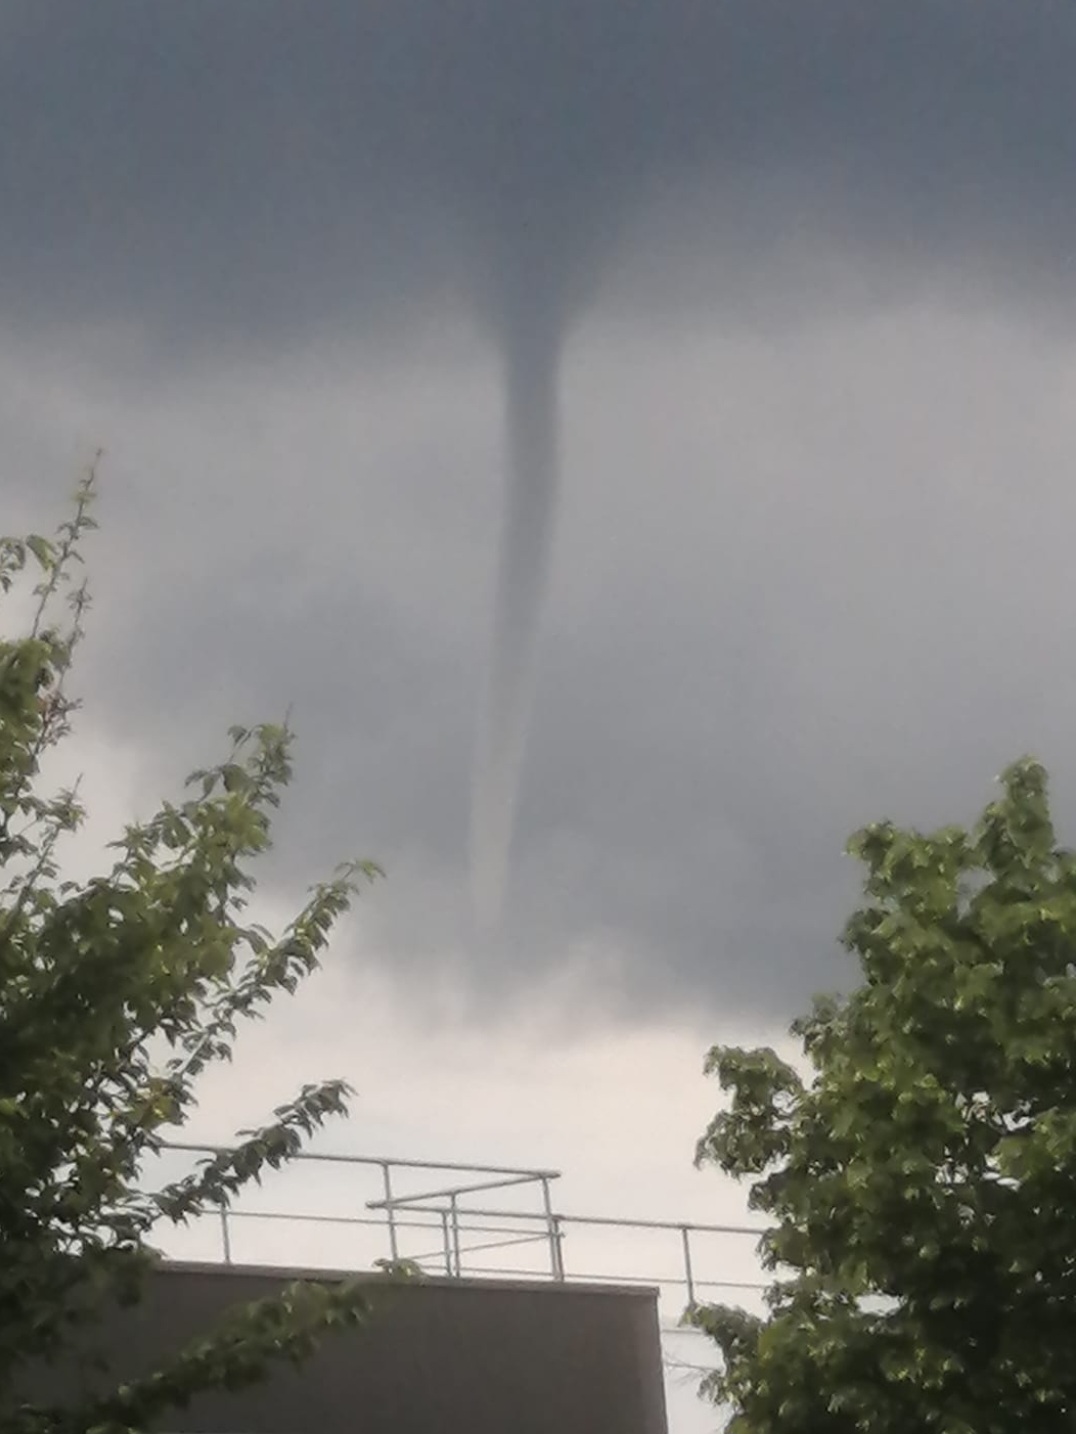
(813, 551)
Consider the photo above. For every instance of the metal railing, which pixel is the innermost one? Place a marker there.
(450, 1230)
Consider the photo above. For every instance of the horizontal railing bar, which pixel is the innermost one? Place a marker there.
(398, 1202)
(328, 1219)
(380, 1224)
(611, 1221)
(589, 1277)
(675, 1280)
(519, 1227)
(719, 1284)
(662, 1225)
(521, 1176)
(487, 1245)
(377, 1160)
(606, 1220)
(369, 1223)
(537, 1215)
(536, 1237)
(462, 1210)
(474, 1230)
(539, 1235)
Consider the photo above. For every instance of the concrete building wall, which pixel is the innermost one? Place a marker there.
(441, 1357)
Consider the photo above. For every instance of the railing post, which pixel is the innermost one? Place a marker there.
(456, 1235)
(552, 1224)
(226, 1235)
(689, 1276)
(448, 1244)
(390, 1210)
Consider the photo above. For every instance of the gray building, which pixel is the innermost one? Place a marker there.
(520, 1321)
(441, 1356)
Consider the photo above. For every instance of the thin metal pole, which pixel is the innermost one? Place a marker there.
(688, 1272)
(556, 1254)
(456, 1235)
(390, 1210)
(226, 1235)
(558, 1229)
(448, 1244)
(372, 1160)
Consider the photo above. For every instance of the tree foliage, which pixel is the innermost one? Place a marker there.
(116, 994)
(920, 1176)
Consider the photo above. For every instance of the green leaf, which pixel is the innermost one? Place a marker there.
(116, 995)
(921, 1182)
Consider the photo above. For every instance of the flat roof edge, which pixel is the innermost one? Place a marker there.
(300, 1272)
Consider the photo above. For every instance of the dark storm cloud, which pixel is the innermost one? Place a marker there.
(800, 585)
(231, 169)
(725, 692)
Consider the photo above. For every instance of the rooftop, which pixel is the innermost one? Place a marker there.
(329, 1213)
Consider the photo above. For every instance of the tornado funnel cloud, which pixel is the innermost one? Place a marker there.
(531, 359)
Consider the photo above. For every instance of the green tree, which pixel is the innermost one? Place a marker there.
(115, 996)
(919, 1177)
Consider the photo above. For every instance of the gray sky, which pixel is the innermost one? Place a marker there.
(237, 175)
(813, 553)
(811, 558)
